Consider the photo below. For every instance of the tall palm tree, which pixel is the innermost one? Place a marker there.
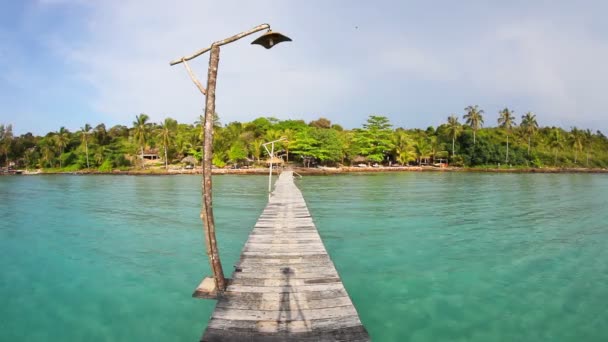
(555, 142)
(166, 134)
(474, 118)
(84, 136)
(62, 138)
(141, 130)
(506, 120)
(454, 130)
(529, 127)
(576, 142)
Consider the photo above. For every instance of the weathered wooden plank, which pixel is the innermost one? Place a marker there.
(278, 302)
(284, 281)
(281, 289)
(251, 274)
(279, 331)
(282, 254)
(283, 314)
(315, 324)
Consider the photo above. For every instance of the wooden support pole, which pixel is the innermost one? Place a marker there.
(207, 211)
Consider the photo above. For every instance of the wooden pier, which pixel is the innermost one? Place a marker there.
(285, 287)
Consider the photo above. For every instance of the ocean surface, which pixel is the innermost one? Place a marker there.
(424, 256)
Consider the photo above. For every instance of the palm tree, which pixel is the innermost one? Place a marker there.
(62, 139)
(256, 149)
(422, 149)
(101, 134)
(84, 133)
(166, 134)
(587, 140)
(436, 148)
(555, 142)
(474, 118)
(403, 147)
(47, 154)
(506, 120)
(141, 129)
(289, 136)
(454, 130)
(576, 141)
(100, 155)
(529, 126)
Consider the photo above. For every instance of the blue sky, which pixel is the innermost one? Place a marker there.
(71, 62)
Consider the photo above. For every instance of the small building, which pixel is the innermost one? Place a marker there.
(275, 161)
(151, 154)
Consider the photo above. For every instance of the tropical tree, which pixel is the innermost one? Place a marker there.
(555, 142)
(62, 138)
(84, 137)
(374, 140)
(587, 138)
(100, 155)
(289, 135)
(454, 130)
(101, 134)
(320, 123)
(436, 148)
(47, 153)
(474, 118)
(6, 138)
(576, 142)
(422, 149)
(237, 152)
(166, 134)
(506, 121)
(256, 149)
(403, 147)
(529, 127)
(141, 130)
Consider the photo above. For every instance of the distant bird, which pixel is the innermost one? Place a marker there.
(356, 27)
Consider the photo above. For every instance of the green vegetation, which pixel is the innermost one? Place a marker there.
(318, 142)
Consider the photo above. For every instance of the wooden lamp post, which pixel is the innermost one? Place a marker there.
(211, 288)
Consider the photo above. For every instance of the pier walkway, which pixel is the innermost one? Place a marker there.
(285, 287)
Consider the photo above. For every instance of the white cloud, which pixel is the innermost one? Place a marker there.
(558, 68)
(533, 62)
(129, 45)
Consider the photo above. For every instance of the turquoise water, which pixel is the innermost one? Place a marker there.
(425, 256)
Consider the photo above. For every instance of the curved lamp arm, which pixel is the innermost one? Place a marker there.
(220, 43)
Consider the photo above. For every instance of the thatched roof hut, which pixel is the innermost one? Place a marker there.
(275, 160)
(359, 159)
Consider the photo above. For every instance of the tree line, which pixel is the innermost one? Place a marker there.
(318, 142)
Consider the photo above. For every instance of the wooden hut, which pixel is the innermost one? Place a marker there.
(275, 161)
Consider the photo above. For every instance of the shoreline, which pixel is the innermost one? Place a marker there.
(323, 171)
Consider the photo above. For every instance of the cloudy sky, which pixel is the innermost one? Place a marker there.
(71, 62)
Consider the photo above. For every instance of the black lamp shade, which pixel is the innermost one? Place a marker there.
(270, 39)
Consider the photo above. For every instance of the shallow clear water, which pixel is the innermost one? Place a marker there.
(424, 256)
